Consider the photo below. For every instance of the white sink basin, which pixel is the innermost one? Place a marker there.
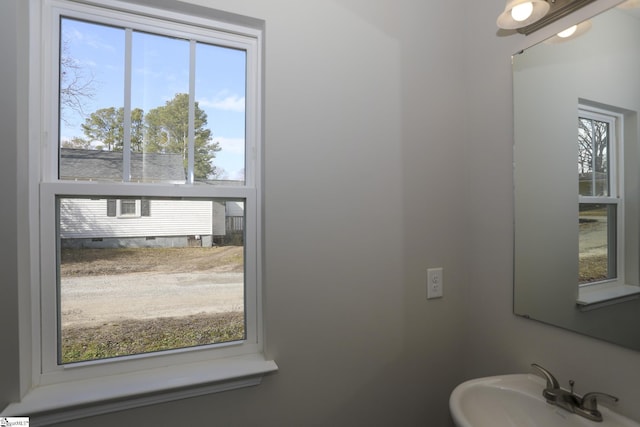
(516, 401)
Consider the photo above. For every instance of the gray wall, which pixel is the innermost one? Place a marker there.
(8, 211)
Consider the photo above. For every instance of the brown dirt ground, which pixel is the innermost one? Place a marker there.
(95, 262)
(99, 286)
(151, 315)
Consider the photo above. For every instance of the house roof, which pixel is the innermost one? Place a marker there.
(79, 164)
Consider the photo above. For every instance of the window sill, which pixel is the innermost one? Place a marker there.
(596, 296)
(78, 399)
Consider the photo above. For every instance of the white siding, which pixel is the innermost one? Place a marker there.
(83, 218)
(219, 219)
(235, 208)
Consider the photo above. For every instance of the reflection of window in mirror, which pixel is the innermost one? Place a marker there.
(600, 197)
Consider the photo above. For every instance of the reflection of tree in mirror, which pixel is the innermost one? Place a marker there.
(593, 148)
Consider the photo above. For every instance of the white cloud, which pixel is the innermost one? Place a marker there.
(148, 72)
(231, 145)
(88, 40)
(233, 103)
(74, 34)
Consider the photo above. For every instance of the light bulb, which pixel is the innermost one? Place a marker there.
(568, 32)
(522, 11)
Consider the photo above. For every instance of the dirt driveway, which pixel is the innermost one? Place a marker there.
(196, 282)
(593, 237)
(88, 301)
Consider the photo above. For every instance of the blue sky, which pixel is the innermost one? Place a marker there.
(160, 70)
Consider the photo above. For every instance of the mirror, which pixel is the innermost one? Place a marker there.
(577, 180)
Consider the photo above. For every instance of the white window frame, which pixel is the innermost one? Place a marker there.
(616, 184)
(606, 292)
(137, 209)
(55, 393)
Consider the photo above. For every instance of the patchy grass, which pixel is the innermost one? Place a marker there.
(127, 337)
(592, 268)
(587, 225)
(144, 336)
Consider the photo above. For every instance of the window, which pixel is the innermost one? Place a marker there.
(128, 208)
(600, 198)
(148, 136)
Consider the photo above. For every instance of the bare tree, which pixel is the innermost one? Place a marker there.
(593, 154)
(76, 142)
(593, 142)
(76, 84)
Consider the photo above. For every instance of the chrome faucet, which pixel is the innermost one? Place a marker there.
(585, 406)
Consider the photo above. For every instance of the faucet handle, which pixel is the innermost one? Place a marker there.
(552, 390)
(552, 382)
(590, 400)
(588, 405)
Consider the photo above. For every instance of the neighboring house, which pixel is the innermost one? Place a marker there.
(88, 165)
(140, 222)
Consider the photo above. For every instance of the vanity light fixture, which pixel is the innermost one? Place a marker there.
(527, 16)
(520, 13)
(570, 33)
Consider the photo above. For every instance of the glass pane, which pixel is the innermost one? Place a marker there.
(92, 116)
(593, 157)
(148, 283)
(127, 207)
(159, 108)
(597, 242)
(220, 109)
(91, 101)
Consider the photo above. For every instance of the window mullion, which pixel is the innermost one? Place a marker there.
(126, 124)
(192, 112)
(612, 151)
(594, 188)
